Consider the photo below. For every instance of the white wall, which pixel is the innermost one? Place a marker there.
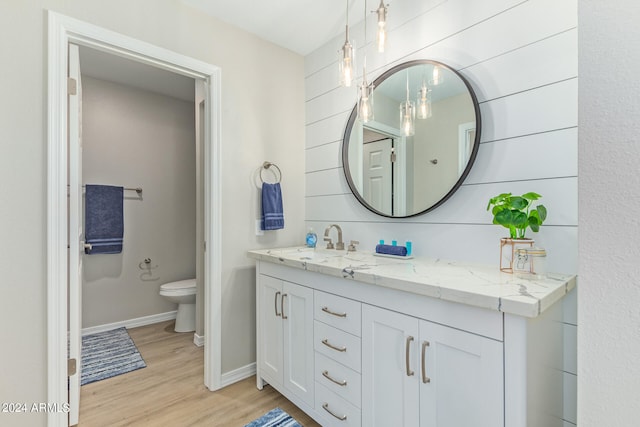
(609, 287)
(262, 119)
(521, 59)
(135, 138)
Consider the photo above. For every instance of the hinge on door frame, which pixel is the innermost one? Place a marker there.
(393, 155)
(71, 367)
(72, 86)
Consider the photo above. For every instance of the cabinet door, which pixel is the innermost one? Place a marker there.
(461, 378)
(297, 316)
(390, 387)
(270, 334)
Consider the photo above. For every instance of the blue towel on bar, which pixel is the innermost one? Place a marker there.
(272, 214)
(391, 250)
(103, 219)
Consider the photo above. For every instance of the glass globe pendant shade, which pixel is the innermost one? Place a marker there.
(437, 77)
(347, 62)
(382, 26)
(424, 102)
(407, 118)
(365, 102)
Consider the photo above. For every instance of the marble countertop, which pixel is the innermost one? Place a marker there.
(473, 284)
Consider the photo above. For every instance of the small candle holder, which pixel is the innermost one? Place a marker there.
(508, 254)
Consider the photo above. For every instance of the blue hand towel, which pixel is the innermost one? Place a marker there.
(103, 219)
(391, 250)
(272, 214)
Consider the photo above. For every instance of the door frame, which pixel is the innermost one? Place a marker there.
(63, 30)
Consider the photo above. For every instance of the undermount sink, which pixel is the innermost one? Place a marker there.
(312, 254)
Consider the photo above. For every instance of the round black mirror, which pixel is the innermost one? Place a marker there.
(419, 146)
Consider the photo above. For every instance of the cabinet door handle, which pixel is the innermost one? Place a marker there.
(325, 406)
(341, 349)
(275, 304)
(282, 307)
(407, 348)
(327, 376)
(326, 310)
(425, 378)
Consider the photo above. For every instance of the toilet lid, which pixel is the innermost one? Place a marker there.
(182, 284)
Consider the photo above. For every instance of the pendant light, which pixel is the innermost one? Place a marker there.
(437, 77)
(365, 100)
(347, 58)
(424, 101)
(382, 25)
(407, 115)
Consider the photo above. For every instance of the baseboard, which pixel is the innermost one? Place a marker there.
(239, 374)
(131, 323)
(198, 340)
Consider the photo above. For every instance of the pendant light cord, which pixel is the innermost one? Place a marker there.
(364, 62)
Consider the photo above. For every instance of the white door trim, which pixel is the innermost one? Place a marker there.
(61, 31)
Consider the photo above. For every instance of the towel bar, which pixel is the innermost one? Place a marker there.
(267, 165)
(137, 189)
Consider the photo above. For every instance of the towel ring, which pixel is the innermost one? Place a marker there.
(267, 165)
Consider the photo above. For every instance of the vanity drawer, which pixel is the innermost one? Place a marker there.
(337, 345)
(343, 381)
(336, 411)
(343, 313)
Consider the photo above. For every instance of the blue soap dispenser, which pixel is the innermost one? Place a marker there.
(312, 239)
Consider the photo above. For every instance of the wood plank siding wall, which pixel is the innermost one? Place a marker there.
(521, 60)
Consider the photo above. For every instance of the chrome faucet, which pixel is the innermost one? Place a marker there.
(339, 244)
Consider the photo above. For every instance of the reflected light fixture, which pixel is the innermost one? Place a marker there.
(424, 102)
(407, 115)
(365, 99)
(436, 77)
(347, 58)
(382, 25)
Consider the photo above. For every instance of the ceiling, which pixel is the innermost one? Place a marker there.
(298, 25)
(113, 68)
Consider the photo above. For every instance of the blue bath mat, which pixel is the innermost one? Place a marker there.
(274, 418)
(107, 354)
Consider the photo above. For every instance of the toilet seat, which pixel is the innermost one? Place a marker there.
(182, 287)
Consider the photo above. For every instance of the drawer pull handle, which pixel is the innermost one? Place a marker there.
(327, 376)
(282, 307)
(325, 406)
(326, 310)
(326, 342)
(425, 378)
(275, 303)
(407, 348)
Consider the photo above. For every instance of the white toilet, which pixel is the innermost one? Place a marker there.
(182, 293)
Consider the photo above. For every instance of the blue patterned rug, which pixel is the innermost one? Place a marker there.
(107, 354)
(274, 418)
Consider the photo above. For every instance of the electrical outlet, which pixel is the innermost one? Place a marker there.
(259, 230)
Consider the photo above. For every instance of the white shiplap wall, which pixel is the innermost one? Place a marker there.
(521, 59)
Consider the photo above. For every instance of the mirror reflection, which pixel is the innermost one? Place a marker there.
(420, 144)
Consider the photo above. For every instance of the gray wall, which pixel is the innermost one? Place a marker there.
(135, 138)
(262, 116)
(439, 141)
(609, 286)
(521, 59)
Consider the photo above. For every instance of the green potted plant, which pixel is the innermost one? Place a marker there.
(516, 213)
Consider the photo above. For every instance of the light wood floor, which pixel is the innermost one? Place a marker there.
(170, 390)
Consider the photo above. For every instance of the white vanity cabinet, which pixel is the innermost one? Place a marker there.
(286, 336)
(357, 341)
(419, 373)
